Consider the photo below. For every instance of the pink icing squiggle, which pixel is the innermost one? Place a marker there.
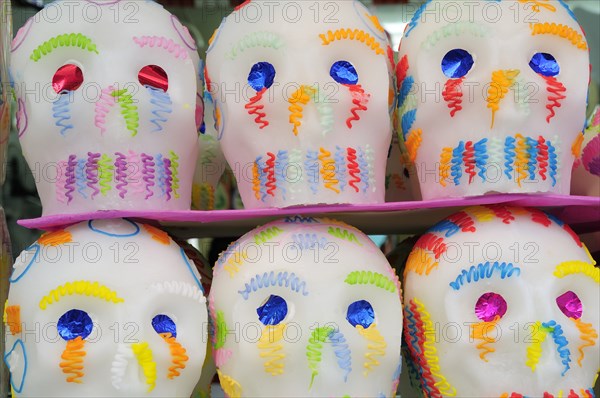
(135, 176)
(168, 178)
(148, 173)
(91, 171)
(70, 178)
(61, 179)
(162, 42)
(121, 174)
(221, 356)
(102, 107)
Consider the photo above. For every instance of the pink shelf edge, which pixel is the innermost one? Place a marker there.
(573, 209)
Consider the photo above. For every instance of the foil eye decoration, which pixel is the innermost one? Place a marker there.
(273, 311)
(344, 72)
(74, 323)
(544, 64)
(67, 78)
(361, 313)
(570, 305)
(261, 76)
(154, 76)
(164, 324)
(457, 63)
(489, 306)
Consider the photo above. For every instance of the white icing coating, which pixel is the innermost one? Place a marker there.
(146, 154)
(287, 35)
(306, 262)
(148, 274)
(500, 37)
(211, 162)
(534, 254)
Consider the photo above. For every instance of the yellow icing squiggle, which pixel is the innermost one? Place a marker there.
(270, 348)
(502, 81)
(143, 353)
(231, 387)
(577, 267)
(559, 30)
(352, 34)
(82, 288)
(375, 347)
(534, 350)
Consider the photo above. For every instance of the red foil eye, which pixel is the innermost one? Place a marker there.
(67, 78)
(154, 76)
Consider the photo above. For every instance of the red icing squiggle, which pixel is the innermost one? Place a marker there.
(542, 157)
(540, 217)
(353, 169)
(270, 172)
(254, 109)
(359, 101)
(464, 221)
(401, 71)
(469, 161)
(453, 95)
(432, 243)
(556, 92)
(502, 212)
(573, 235)
(245, 3)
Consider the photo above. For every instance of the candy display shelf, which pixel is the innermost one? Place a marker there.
(581, 212)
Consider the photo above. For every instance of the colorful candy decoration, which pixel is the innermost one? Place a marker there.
(323, 307)
(502, 288)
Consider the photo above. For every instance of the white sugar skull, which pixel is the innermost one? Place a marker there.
(586, 170)
(106, 308)
(510, 294)
(306, 307)
(107, 106)
(492, 96)
(303, 94)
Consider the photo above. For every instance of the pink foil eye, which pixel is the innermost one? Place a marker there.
(489, 306)
(570, 305)
(67, 78)
(154, 76)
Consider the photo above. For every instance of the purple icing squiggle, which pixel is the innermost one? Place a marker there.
(22, 120)
(70, 178)
(148, 173)
(182, 31)
(91, 171)
(121, 174)
(21, 35)
(168, 178)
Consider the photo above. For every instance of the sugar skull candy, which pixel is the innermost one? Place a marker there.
(492, 96)
(502, 302)
(306, 307)
(107, 106)
(106, 308)
(303, 94)
(586, 171)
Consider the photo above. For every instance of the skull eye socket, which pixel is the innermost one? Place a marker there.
(74, 323)
(261, 76)
(489, 306)
(68, 77)
(154, 76)
(360, 313)
(570, 305)
(273, 311)
(544, 64)
(164, 324)
(344, 72)
(457, 63)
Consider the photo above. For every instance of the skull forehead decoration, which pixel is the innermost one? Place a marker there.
(512, 295)
(107, 106)
(105, 308)
(492, 96)
(309, 307)
(311, 84)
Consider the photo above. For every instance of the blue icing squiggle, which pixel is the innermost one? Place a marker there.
(415, 19)
(532, 150)
(408, 119)
(509, 155)
(481, 157)
(561, 343)
(405, 90)
(340, 166)
(457, 161)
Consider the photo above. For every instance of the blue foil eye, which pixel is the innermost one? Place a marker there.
(360, 313)
(164, 324)
(457, 63)
(261, 76)
(343, 72)
(73, 324)
(544, 64)
(273, 311)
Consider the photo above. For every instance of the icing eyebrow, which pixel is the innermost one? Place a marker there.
(256, 39)
(65, 40)
(484, 271)
(352, 34)
(562, 31)
(80, 288)
(270, 279)
(474, 29)
(178, 288)
(577, 267)
(371, 278)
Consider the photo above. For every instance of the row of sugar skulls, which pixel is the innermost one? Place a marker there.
(481, 105)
